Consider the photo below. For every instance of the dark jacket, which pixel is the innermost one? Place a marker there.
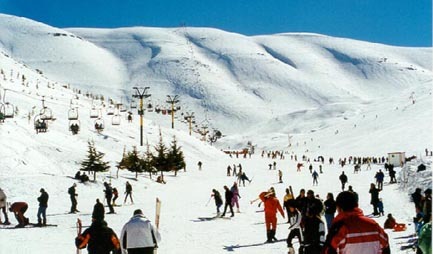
(374, 196)
(99, 239)
(218, 199)
(43, 199)
(330, 206)
(343, 178)
(228, 196)
(98, 211)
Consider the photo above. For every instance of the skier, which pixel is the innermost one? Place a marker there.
(73, 195)
(298, 167)
(379, 179)
(330, 209)
(295, 218)
(115, 195)
(199, 164)
(3, 204)
(343, 179)
(218, 200)
(315, 176)
(374, 198)
(229, 169)
(108, 196)
(272, 205)
(139, 235)
(280, 176)
(301, 202)
(43, 204)
(99, 239)
(352, 232)
(235, 199)
(128, 192)
(244, 177)
(275, 165)
(310, 168)
(320, 168)
(228, 201)
(18, 209)
(380, 207)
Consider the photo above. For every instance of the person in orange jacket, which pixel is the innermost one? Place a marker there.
(272, 205)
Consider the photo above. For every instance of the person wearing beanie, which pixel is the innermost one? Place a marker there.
(272, 206)
(98, 211)
(139, 236)
(352, 232)
(99, 239)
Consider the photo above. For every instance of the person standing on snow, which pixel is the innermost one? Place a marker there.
(374, 201)
(42, 211)
(315, 176)
(343, 180)
(235, 199)
(139, 236)
(218, 200)
(3, 204)
(228, 201)
(128, 192)
(272, 205)
(295, 218)
(73, 196)
(379, 179)
(330, 209)
(108, 196)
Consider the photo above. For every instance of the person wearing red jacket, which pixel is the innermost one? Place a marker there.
(19, 208)
(352, 232)
(272, 205)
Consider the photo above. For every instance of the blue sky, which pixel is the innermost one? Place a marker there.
(395, 22)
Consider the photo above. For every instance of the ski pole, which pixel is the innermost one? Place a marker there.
(208, 201)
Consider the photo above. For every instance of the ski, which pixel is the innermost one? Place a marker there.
(157, 214)
(79, 227)
(31, 225)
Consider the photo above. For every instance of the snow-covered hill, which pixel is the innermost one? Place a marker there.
(322, 95)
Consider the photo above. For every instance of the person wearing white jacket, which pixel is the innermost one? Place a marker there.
(138, 236)
(3, 204)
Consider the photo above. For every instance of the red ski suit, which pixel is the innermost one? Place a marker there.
(271, 206)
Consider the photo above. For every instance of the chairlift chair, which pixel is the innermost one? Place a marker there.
(133, 104)
(110, 110)
(74, 126)
(99, 125)
(94, 113)
(41, 124)
(46, 114)
(73, 114)
(7, 110)
(116, 120)
(122, 108)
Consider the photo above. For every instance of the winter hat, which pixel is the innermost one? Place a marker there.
(346, 200)
(42, 190)
(428, 191)
(138, 211)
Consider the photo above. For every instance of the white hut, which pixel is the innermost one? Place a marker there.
(397, 159)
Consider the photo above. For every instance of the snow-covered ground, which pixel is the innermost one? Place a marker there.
(270, 90)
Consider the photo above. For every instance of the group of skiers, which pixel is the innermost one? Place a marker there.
(19, 209)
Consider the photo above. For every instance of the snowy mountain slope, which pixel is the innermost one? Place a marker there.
(218, 73)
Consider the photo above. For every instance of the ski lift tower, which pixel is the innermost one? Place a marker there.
(141, 93)
(190, 118)
(172, 100)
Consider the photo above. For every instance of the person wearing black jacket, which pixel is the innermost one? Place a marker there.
(228, 201)
(343, 179)
(73, 195)
(98, 211)
(301, 202)
(417, 198)
(108, 196)
(43, 204)
(218, 200)
(374, 193)
(99, 239)
(330, 209)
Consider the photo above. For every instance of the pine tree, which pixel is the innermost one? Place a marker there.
(93, 162)
(134, 163)
(148, 166)
(175, 157)
(159, 161)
